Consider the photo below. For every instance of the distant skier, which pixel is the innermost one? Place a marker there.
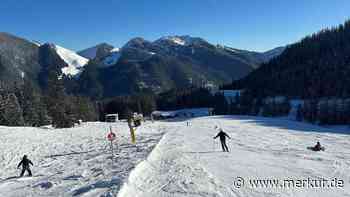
(25, 165)
(223, 136)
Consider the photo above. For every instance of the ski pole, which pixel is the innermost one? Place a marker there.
(213, 145)
(230, 143)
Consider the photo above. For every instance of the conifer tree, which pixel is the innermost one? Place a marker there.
(10, 111)
(57, 102)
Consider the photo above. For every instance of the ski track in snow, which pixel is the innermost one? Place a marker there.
(174, 160)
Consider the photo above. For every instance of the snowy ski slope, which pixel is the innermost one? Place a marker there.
(70, 162)
(186, 162)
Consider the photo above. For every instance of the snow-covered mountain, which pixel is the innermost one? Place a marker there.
(18, 57)
(21, 58)
(74, 61)
(179, 40)
(139, 49)
(105, 53)
(89, 53)
(96, 52)
(169, 62)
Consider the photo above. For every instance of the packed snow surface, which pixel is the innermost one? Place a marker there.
(186, 162)
(75, 62)
(71, 162)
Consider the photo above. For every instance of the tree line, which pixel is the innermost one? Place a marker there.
(315, 69)
(173, 99)
(25, 104)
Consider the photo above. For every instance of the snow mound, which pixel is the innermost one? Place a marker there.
(75, 62)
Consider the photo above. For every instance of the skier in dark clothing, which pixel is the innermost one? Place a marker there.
(223, 136)
(25, 165)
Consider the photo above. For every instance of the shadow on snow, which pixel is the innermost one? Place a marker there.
(285, 124)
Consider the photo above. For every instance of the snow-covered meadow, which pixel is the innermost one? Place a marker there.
(175, 160)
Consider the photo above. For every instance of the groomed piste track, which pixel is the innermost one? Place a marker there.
(175, 160)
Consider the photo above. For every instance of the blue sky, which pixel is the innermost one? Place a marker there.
(247, 24)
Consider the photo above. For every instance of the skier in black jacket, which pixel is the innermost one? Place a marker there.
(25, 165)
(223, 136)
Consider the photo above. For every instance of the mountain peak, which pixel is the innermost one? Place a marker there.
(5, 34)
(74, 61)
(179, 40)
(97, 51)
(10, 38)
(50, 45)
(183, 40)
(136, 42)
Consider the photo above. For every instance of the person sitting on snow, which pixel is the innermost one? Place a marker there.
(223, 136)
(317, 147)
(25, 165)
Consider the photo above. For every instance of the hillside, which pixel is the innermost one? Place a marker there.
(170, 62)
(317, 66)
(99, 51)
(139, 66)
(18, 57)
(22, 58)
